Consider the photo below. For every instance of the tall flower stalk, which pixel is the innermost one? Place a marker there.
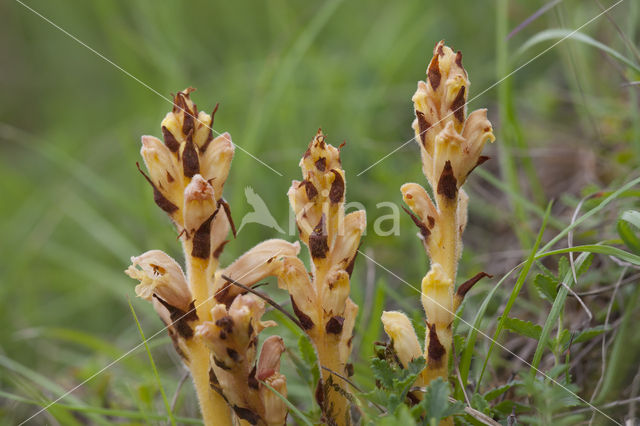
(213, 325)
(451, 145)
(320, 297)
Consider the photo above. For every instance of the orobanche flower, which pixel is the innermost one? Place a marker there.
(232, 337)
(451, 143)
(320, 298)
(159, 274)
(214, 325)
(451, 146)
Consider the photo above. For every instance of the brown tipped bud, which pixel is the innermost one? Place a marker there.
(215, 163)
(163, 168)
(199, 204)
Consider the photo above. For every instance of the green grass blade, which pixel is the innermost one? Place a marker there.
(127, 414)
(595, 248)
(556, 309)
(46, 384)
(153, 366)
(561, 33)
(472, 335)
(516, 290)
(590, 213)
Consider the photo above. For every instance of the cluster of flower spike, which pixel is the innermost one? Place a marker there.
(214, 322)
(214, 326)
(451, 145)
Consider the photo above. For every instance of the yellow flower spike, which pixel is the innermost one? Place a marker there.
(451, 145)
(188, 171)
(322, 303)
(403, 337)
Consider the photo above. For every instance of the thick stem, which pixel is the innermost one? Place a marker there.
(443, 250)
(214, 408)
(336, 404)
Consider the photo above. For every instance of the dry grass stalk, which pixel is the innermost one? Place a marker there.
(320, 298)
(451, 144)
(213, 326)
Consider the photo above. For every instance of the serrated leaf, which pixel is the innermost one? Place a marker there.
(436, 403)
(524, 328)
(480, 403)
(546, 286)
(383, 372)
(394, 382)
(589, 333)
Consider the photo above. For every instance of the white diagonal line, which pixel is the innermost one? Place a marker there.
(490, 338)
(76, 39)
(120, 358)
(495, 84)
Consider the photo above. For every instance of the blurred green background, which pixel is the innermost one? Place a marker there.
(74, 208)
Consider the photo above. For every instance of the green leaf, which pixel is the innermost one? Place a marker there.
(436, 403)
(524, 328)
(394, 382)
(628, 227)
(402, 416)
(383, 372)
(496, 392)
(589, 333)
(546, 286)
(631, 216)
(479, 403)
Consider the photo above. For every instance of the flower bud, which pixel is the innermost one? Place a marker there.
(199, 204)
(403, 337)
(437, 294)
(215, 163)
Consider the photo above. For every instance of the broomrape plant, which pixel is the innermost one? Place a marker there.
(451, 144)
(214, 317)
(213, 326)
(320, 298)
